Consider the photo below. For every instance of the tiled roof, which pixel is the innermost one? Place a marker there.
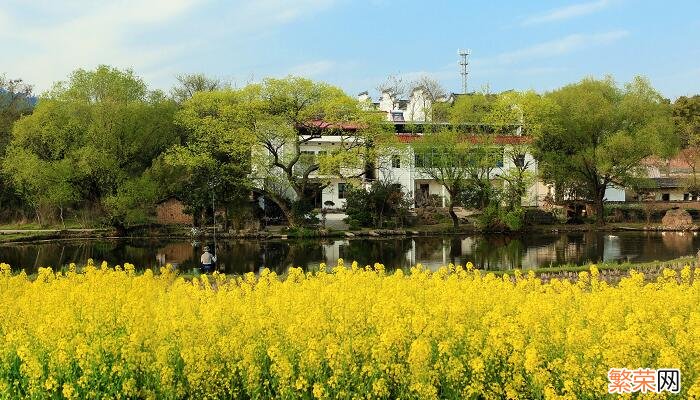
(667, 183)
(663, 183)
(333, 125)
(498, 139)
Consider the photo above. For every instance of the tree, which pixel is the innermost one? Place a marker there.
(16, 101)
(45, 185)
(428, 92)
(395, 87)
(471, 111)
(215, 156)
(281, 116)
(383, 201)
(517, 178)
(522, 114)
(604, 133)
(686, 118)
(134, 201)
(189, 84)
(104, 124)
(444, 156)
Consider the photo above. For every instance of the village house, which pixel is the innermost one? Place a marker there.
(401, 166)
(672, 180)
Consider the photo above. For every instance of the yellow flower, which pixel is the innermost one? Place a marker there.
(450, 331)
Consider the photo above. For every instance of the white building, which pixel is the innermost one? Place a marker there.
(400, 166)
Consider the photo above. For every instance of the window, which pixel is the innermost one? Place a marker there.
(686, 196)
(342, 189)
(420, 160)
(395, 161)
(497, 156)
(520, 160)
(666, 197)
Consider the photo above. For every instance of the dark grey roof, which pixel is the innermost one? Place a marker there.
(667, 183)
(397, 116)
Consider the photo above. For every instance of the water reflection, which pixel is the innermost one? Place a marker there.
(490, 252)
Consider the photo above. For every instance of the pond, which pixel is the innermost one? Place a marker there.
(488, 252)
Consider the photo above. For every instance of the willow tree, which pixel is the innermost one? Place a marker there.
(214, 156)
(442, 156)
(283, 116)
(264, 129)
(89, 136)
(604, 133)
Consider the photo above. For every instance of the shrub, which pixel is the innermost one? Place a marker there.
(383, 202)
(513, 219)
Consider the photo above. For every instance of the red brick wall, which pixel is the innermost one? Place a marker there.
(172, 211)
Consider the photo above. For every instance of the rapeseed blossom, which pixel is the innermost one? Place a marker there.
(340, 332)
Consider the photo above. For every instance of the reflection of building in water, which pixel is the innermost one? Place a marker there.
(612, 249)
(331, 252)
(160, 258)
(680, 242)
(430, 252)
(560, 249)
(174, 253)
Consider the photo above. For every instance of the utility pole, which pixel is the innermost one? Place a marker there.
(464, 65)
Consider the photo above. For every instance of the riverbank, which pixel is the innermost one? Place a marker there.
(36, 235)
(610, 272)
(19, 235)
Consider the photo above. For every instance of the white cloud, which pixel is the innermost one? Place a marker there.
(144, 35)
(557, 47)
(564, 13)
(312, 69)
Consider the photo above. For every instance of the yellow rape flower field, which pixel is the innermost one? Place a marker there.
(343, 332)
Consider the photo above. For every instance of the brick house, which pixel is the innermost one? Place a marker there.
(171, 211)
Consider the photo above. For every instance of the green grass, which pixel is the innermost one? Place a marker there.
(15, 237)
(36, 226)
(624, 266)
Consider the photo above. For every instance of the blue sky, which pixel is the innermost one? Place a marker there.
(536, 45)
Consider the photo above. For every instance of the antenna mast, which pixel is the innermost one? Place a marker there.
(464, 64)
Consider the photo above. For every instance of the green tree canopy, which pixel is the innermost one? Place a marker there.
(686, 117)
(280, 116)
(214, 157)
(603, 133)
(447, 157)
(104, 124)
(471, 110)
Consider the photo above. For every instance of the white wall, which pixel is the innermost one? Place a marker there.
(417, 106)
(331, 193)
(410, 179)
(613, 193)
